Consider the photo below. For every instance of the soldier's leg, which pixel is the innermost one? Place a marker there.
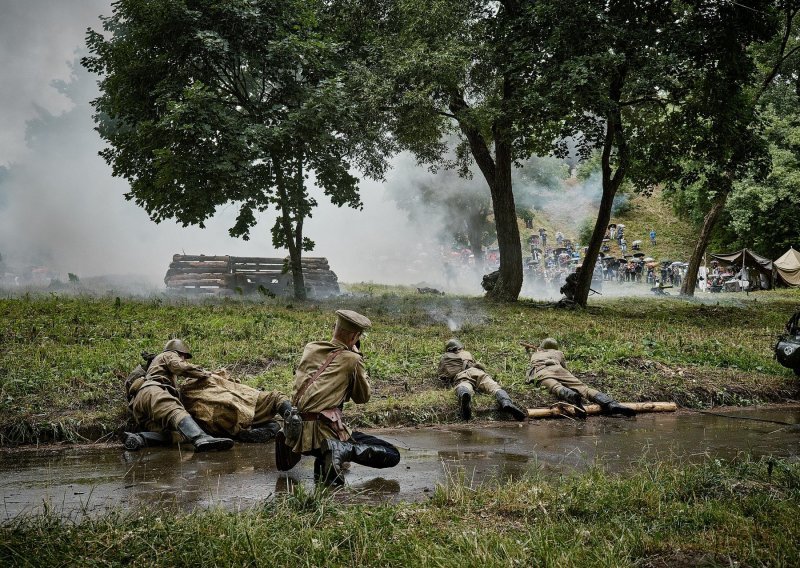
(488, 385)
(564, 393)
(269, 405)
(162, 407)
(264, 427)
(361, 448)
(464, 392)
(569, 381)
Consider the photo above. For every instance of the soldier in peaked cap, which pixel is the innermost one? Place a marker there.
(329, 374)
(548, 368)
(155, 402)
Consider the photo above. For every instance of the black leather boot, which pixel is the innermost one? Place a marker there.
(505, 404)
(572, 397)
(137, 440)
(336, 453)
(464, 401)
(259, 434)
(611, 406)
(201, 441)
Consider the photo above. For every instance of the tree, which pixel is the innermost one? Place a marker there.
(627, 79)
(205, 103)
(444, 68)
(732, 156)
(763, 214)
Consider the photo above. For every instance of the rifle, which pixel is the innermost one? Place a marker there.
(528, 346)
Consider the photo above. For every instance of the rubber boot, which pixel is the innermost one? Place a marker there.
(611, 406)
(464, 401)
(506, 405)
(259, 434)
(201, 441)
(572, 397)
(137, 440)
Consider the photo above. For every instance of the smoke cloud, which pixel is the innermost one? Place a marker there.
(60, 208)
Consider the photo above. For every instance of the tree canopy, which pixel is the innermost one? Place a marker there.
(206, 103)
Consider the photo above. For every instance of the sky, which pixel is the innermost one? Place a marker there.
(60, 207)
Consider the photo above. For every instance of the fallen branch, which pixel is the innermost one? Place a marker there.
(559, 410)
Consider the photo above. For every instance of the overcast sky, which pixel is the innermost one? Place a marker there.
(60, 206)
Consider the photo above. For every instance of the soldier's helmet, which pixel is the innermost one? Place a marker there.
(548, 343)
(179, 346)
(454, 345)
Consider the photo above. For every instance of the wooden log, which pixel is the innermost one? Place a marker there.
(223, 283)
(560, 410)
(198, 257)
(201, 270)
(197, 264)
(200, 276)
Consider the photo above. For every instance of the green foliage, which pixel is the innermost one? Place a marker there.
(206, 103)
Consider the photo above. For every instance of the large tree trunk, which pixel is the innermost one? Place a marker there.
(509, 283)
(710, 220)
(615, 137)
(497, 173)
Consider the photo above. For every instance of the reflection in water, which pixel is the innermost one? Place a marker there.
(85, 481)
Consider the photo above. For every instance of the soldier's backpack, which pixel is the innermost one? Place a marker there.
(787, 350)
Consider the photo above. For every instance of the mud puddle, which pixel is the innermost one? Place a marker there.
(86, 481)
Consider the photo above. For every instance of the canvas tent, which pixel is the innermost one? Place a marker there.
(753, 262)
(788, 268)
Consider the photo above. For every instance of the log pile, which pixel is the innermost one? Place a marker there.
(231, 274)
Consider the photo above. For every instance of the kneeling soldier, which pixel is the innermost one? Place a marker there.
(155, 402)
(459, 367)
(548, 368)
(329, 374)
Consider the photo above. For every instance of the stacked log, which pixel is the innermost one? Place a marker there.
(198, 273)
(216, 274)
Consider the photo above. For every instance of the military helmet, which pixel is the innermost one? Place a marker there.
(548, 343)
(454, 345)
(179, 346)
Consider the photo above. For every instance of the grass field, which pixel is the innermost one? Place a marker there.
(742, 513)
(63, 359)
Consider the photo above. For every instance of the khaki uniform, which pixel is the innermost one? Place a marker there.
(223, 407)
(462, 369)
(548, 368)
(345, 378)
(154, 399)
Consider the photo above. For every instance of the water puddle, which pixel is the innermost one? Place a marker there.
(89, 480)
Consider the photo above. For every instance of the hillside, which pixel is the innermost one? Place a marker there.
(675, 238)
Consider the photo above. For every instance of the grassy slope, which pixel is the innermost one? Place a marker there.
(714, 514)
(675, 238)
(63, 360)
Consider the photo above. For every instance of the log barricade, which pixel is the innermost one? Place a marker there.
(194, 274)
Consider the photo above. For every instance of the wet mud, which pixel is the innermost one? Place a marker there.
(89, 480)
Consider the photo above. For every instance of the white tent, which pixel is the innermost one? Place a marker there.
(788, 268)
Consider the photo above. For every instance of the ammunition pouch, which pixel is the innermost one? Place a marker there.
(787, 351)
